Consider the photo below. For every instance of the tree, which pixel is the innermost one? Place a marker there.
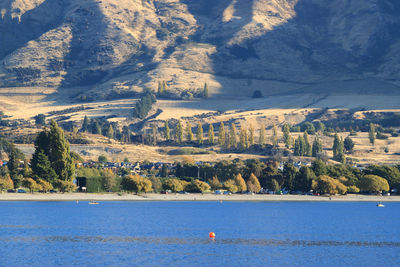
(109, 181)
(371, 133)
(156, 184)
(164, 171)
(173, 184)
(348, 144)
(179, 132)
(41, 167)
(242, 139)
(338, 149)
(261, 138)
(232, 136)
(316, 147)
(215, 184)
(205, 90)
(95, 127)
(308, 127)
(136, 184)
(197, 186)
(240, 183)
(299, 146)
(60, 156)
(307, 146)
(40, 119)
(189, 133)
(160, 88)
(167, 131)
(251, 135)
(65, 186)
(253, 185)
(102, 159)
(126, 134)
(143, 106)
(43, 185)
(211, 134)
(231, 186)
(320, 127)
(274, 135)
(319, 167)
(227, 139)
(257, 94)
(13, 165)
(30, 184)
(199, 134)
(6, 183)
(221, 134)
(353, 189)
(390, 173)
(304, 179)
(85, 125)
(110, 132)
(373, 183)
(329, 185)
(274, 185)
(287, 139)
(289, 174)
(155, 132)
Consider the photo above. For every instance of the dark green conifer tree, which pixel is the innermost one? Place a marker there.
(60, 156)
(85, 125)
(205, 90)
(317, 147)
(371, 133)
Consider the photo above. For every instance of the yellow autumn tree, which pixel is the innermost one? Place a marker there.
(240, 183)
(253, 185)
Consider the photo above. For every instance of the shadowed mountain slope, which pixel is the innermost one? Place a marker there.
(236, 46)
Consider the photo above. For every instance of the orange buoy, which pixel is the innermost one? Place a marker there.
(211, 235)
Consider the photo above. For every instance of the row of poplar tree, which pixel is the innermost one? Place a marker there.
(228, 136)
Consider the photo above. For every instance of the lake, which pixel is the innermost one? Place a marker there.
(176, 234)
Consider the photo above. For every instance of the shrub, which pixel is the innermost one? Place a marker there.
(353, 189)
(381, 136)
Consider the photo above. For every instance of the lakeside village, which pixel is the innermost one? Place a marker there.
(53, 168)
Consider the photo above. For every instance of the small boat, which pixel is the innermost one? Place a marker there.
(380, 205)
(93, 202)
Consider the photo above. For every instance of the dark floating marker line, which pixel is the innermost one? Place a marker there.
(198, 241)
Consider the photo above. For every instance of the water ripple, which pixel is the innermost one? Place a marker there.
(198, 241)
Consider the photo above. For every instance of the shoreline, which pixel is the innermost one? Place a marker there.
(191, 197)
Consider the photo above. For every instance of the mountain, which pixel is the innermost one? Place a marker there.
(95, 47)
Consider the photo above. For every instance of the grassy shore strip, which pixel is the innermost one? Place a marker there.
(190, 197)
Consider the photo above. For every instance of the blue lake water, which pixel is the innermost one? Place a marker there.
(176, 233)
